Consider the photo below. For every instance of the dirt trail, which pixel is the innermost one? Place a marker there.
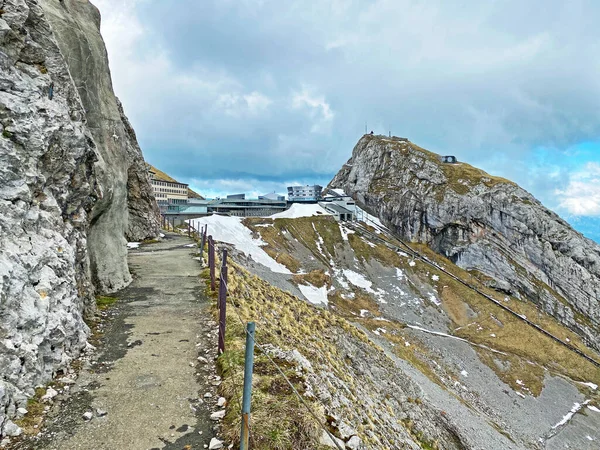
(147, 376)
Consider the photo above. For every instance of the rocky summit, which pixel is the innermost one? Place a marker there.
(484, 224)
(73, 186)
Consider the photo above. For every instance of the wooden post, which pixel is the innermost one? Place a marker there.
(202, 243)
(222, 303)
(189, 230)
(246, 400)
(211, 262)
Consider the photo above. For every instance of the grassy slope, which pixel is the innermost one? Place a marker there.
(291, 323)
(529, 353)
(460, 177)
(279, 420)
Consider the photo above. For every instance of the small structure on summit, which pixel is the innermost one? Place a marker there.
(449, 159)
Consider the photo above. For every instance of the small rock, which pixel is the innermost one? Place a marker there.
(87, 415)
(221, 402)
(215, 444)
(208, 395)
(353, 443)
(11, 429)
(101, 412)
(203, 359)
(22, 411)
(217, 415)
(326, 441)
(191, 364)
(50, 394)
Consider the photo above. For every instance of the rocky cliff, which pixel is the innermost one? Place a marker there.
(485, 224)
(73, 186)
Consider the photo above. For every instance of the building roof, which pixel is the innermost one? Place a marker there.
(162, 176)
(271, 196)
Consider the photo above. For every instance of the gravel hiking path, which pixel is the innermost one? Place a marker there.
(146, 375)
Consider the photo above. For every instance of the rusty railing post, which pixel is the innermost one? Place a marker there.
(202, 244)
(248, 367)
(211, 262)
(222, 303)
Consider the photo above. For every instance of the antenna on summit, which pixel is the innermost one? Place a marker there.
(365, 127)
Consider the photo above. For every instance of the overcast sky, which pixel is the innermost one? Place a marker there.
(252, 95)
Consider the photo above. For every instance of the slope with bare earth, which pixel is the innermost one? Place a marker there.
(481, 223)
(485, 371)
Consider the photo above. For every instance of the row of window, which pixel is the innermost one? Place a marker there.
(167, 183)
(170, 191)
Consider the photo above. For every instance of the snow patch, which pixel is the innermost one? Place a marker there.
(301, 210)
(133, 244)
(435, 277)
(345, 232)
(369, 219)
(232, 231)
(576, 407)
(358, 280)
(412, 263)
(464, 373)
(315, 295)
(593, 408)
(433, 299)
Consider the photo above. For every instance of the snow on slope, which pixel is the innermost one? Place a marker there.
(300, 210)
(315, 295)
(232, 231)
(367, 218)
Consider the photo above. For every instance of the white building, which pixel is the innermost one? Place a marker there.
(167, 191)
(305, 193)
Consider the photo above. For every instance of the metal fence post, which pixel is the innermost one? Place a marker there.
(223, 303)
(211, 262)
(246, 400)
(189, 230)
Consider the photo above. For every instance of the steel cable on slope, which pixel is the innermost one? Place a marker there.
(426, 260)
(294, 390)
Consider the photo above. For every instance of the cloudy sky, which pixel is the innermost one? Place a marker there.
(251, 95)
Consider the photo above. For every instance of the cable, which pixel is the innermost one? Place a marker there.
(488, 297)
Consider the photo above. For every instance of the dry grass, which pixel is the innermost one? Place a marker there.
(32, 421)
(317, 278)
(278, 247)
(380, 252)
(528, 350)
(279, 421)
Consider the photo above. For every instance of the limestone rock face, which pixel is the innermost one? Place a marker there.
(481, 223)
(67, 155)
(118, 213)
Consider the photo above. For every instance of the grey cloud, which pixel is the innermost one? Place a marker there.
(487, 81)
